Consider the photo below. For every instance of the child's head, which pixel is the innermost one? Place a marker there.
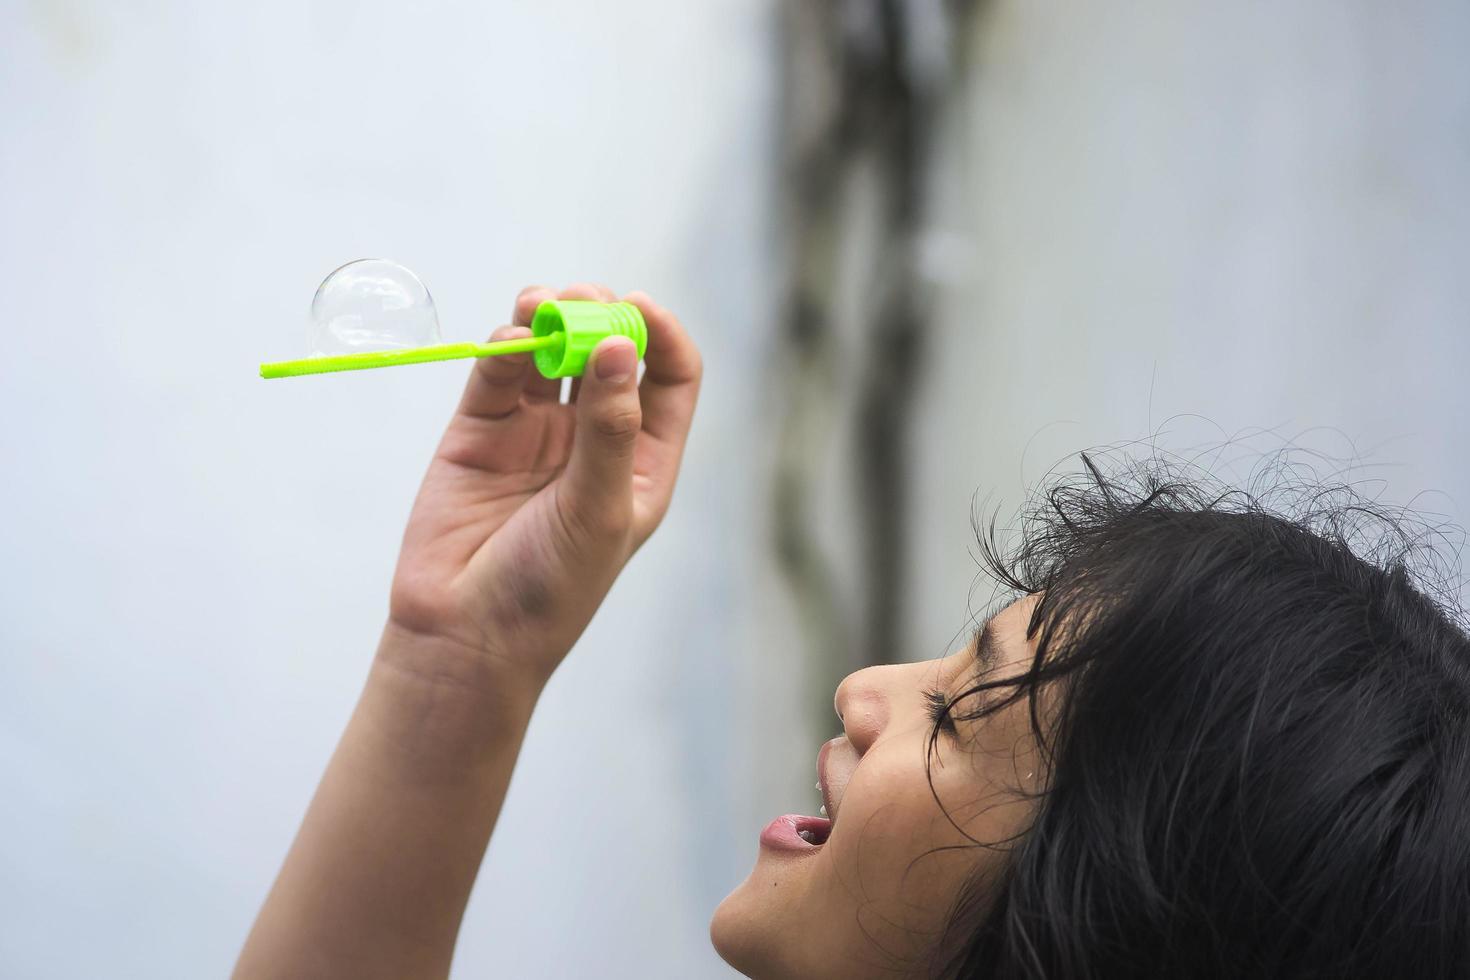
(1217, 734)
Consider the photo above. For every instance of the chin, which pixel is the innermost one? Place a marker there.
(729, 932)
(737, 932)
(759, 928)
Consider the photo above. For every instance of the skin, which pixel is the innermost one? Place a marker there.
(873, 900)
(529, 510)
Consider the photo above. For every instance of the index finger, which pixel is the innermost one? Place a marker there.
(672, 368)
(537, 387)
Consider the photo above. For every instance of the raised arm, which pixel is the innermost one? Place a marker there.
(528, 512)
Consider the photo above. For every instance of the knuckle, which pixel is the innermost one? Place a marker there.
(618, 424)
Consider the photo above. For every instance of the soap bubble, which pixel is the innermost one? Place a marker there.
(371, 304)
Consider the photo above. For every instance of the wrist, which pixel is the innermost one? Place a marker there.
(470, 658)
(446, 698)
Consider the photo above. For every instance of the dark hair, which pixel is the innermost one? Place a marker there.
(1259, 764)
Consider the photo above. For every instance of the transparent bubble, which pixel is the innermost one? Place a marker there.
(371, 304)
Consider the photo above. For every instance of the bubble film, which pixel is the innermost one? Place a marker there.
(371, 305)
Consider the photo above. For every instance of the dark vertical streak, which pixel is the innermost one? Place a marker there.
(850, 95)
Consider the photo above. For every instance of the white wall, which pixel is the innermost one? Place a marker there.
(1257, 214)
(196, 562)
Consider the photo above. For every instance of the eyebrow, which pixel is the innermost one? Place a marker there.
(985, 644)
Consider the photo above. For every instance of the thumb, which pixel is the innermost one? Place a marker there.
(599, 474)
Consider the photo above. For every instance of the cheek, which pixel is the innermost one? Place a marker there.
(896, 861)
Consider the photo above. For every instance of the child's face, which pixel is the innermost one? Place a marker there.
(871, 901)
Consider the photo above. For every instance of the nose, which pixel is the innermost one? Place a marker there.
(862, 705)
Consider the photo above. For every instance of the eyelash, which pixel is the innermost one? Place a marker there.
(938, 701)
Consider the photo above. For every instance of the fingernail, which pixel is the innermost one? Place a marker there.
(615, 361)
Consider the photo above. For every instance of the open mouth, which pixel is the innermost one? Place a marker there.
(814, 830)
(796, 832)
(799, 832)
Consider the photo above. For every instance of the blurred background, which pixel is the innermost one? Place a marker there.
(929, 250)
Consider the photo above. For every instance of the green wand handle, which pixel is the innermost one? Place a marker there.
(564, 334)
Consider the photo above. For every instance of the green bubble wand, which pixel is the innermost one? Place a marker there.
(563, 335)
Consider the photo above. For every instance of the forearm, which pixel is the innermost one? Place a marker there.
(377, 879)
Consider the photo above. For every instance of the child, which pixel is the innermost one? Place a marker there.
(1205, 740)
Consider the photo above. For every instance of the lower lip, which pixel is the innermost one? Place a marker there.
(782, 834)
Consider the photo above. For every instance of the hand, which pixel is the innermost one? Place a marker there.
(530, 507)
